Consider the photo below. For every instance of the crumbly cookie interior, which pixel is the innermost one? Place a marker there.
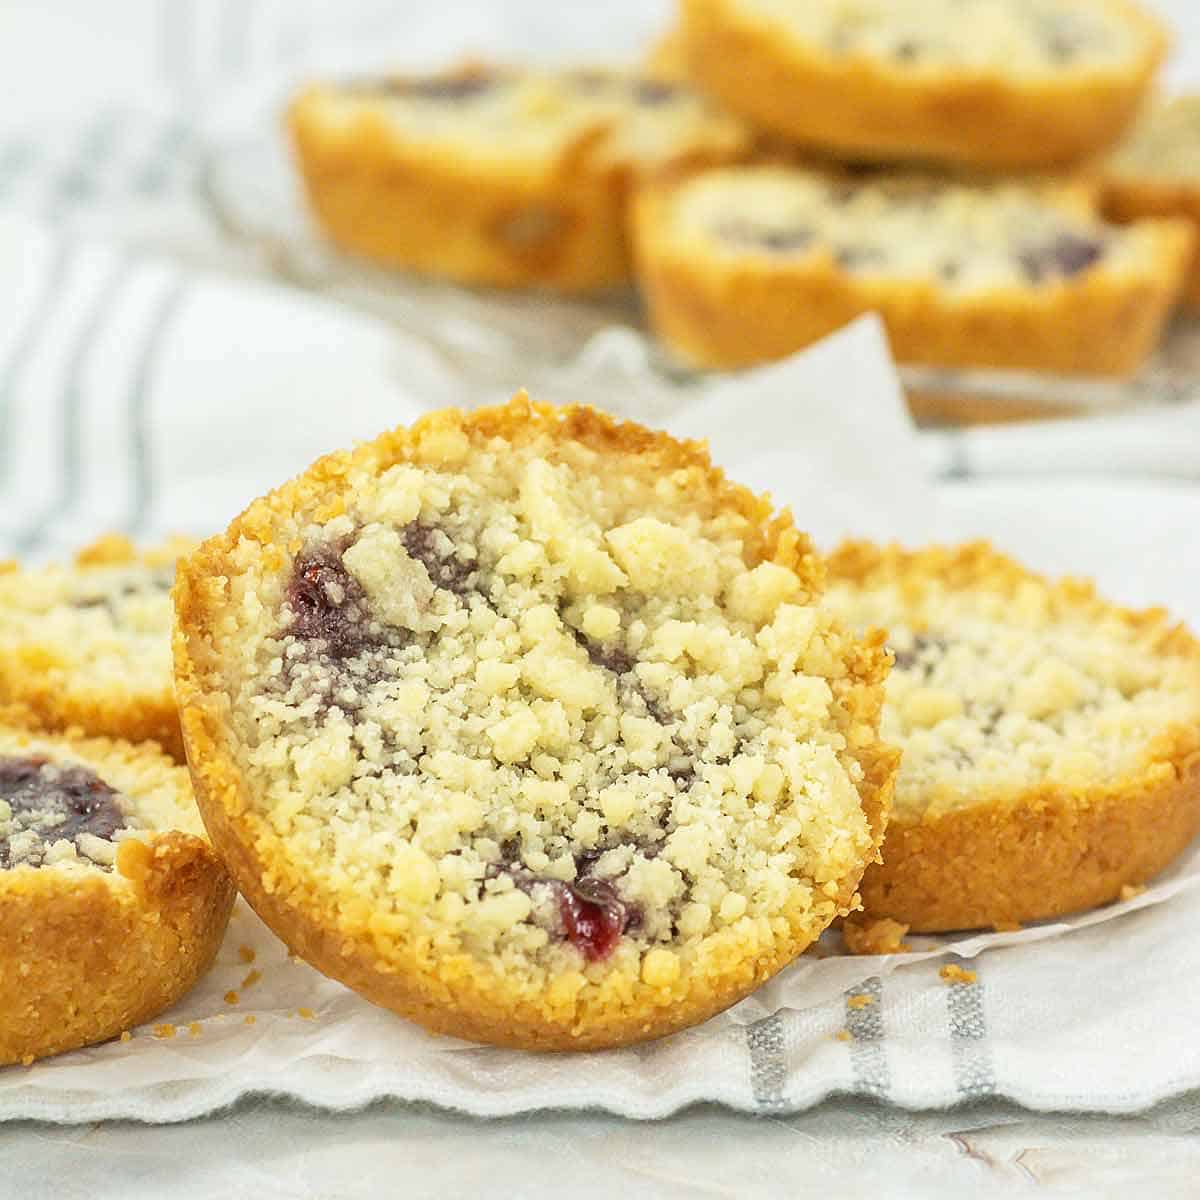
(1164, 143)
(70, 806)
(995, 691)
(108, 627)
(1021, 37)
(965, 238)
(527, 699)
(634, 120)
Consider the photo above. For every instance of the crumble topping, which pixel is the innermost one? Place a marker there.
(109, 624)
(963, 237)
(530, 699)
(1023, 37)
(487, 111)
(54, 813)
(992, 693)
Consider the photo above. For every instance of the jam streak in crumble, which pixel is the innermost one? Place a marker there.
(330, 610)
(47, 803)
(593, 916)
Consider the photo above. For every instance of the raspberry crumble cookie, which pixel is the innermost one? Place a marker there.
(112, 901)
(497, 175)
(1155, 172)
(1051, 741)
(525, 724)
(741, 265)
(89, 645)
(985, 83)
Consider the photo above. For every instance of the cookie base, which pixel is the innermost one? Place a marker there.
(1043, 855)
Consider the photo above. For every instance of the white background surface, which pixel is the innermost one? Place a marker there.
(50, 52)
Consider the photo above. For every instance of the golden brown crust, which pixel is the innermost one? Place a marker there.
(877, 111)
(726, 311)
(48, 696)
(1044, 851)
(1129, 199)
(85, 955)
(408, 206)
(504, 222)
(28, 685)
(458, 994)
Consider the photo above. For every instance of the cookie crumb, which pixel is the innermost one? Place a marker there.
(843, 1035)
(1130, 890)
(859, 1001)
(126, 1036)
(879, 936)
(164, 1031)
(195, 1029)
(246, 954)
(250, 1019)
(232, 998)
(953, 973)
(251, 979)
(305, 1014)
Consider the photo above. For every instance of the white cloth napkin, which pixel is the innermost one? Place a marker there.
(1162, 442)
(139, 396)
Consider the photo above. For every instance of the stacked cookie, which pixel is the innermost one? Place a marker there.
(112, 899)
(779, 168)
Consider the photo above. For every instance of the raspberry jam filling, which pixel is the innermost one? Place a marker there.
(593, 916)
(328, 605)
(590, 911)
(1065, 255)
(43, 804)
(439, 89)
(436, 553)
(925, 650)
(779, 240)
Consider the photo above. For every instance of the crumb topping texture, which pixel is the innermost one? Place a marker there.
(1024, 37)
(50, 813)
(509, 114)
(526, 699)
(1011, 683)
(1164, 144)
(965, 238)
(106, 626)
(69, 803)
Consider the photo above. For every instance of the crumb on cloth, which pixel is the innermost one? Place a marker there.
(953, 973)
(879, 935)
